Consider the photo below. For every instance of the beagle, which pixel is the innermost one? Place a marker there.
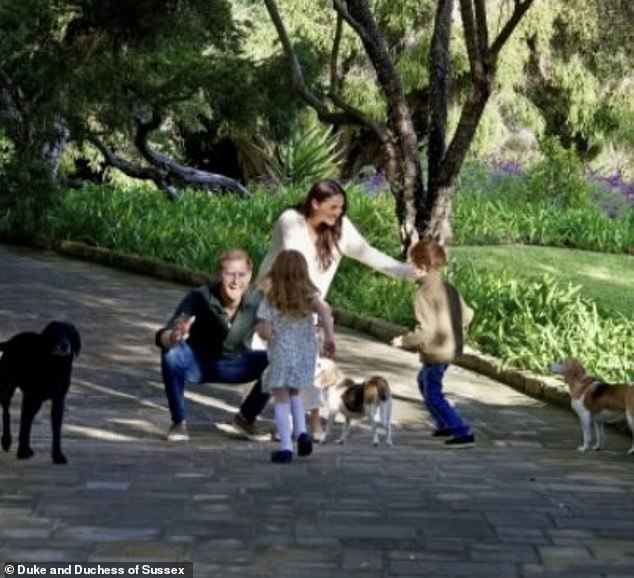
(356, 400)
(596, 402)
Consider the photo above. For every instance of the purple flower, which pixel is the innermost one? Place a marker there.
(616, 182)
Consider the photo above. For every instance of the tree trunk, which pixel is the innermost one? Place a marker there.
(434, 216)
(408, 191)
(438, 89)
(53, 149)
(403, 170)
(439, 225)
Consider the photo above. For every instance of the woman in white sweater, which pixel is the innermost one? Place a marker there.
(319, 229)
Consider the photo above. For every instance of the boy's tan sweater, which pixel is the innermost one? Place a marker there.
(434, 336)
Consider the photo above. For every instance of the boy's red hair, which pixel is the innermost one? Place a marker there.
(428, 254)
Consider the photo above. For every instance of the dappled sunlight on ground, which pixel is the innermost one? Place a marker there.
(99, 434)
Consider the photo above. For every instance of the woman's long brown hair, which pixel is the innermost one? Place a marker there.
(327, 237)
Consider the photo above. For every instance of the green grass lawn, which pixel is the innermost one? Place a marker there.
(605, 278)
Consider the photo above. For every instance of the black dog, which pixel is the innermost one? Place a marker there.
(40, 364)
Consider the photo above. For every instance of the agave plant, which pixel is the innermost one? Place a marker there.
(309, 155)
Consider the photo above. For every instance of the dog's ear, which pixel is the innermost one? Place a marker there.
(574, 368)
(377, 380)
(75, 339)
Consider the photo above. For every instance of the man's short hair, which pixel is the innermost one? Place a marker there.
(234, 254)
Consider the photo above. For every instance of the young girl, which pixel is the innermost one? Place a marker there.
(319, 229)
(286, 322)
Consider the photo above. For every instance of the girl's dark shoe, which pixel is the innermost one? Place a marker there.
(304, 445)
(282, 456)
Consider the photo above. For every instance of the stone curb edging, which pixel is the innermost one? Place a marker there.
(534, 385)
(136, 264)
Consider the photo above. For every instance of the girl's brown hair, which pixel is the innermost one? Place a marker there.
(327, 237)
(428, 254)
(291, 289)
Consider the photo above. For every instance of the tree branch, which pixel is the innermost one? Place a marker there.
(483, 71)
(379, 130)
(164, 172)
(125, 166)
(297, 76)
(470, 28)
(360, 29)
(482, 27)
(438, 88)
(130, 169)
(335, 79)
(177, 171)
(521, 7)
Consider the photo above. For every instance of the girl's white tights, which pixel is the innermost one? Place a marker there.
(299, 417)
(282, 421)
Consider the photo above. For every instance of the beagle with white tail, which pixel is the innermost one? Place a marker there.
(596, 402)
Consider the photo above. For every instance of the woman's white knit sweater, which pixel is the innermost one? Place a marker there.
(291, 232)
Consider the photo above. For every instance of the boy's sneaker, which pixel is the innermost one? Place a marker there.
(443, 432)
(282, 457)
(461, 441)
(304, 445)
(250, 430)
(178, 432)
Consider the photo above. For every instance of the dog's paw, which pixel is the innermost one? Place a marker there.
(59, 458)
(25, 453)
(340, 441)
(583, 449)
(631, 451)
(6, 443)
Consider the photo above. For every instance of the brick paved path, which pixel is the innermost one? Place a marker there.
(521, 504)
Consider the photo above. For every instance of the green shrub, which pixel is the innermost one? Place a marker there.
(559, 178)
(189, 231)
(27, 194)
(490, 221)
(532, 322)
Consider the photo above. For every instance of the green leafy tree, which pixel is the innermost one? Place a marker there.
(579, 74)
(423, 208)
(118, 74)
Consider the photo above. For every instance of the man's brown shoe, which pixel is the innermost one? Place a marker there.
(250, 430)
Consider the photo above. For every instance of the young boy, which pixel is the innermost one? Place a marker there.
(441, 316)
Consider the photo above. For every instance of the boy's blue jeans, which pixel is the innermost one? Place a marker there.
(180, 365)
(444, 414)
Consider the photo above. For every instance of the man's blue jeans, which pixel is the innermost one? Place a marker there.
(444, 414)
(180, 365)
